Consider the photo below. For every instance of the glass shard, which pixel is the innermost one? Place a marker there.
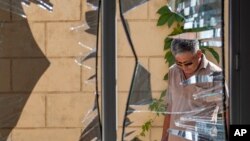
(131, 4)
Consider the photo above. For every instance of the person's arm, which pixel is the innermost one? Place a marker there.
(166, 125)
(227, 120)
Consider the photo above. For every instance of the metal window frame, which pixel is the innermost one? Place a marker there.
(109, 122)
(239, 33)
(233, 58)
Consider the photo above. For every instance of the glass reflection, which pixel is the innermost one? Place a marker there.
(198, 13)
(89, 60)
(14, 6)
(140, 97)
(127, 5)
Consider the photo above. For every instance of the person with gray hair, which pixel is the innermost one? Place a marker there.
(189, 61)
(187, 54)
(181, 45)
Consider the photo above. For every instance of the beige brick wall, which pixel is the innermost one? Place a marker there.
(43, 96)
(46, 91)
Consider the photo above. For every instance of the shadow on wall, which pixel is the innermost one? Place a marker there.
(22, 63)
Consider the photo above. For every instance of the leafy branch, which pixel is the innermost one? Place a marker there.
(158, 106)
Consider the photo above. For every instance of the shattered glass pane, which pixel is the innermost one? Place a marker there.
(203, 15)
(202, 112)
(196, 104)
(131, 4)
(15, 6)
(198, 79)
(139, 98)
(198, 13)
(89, 60)
(93, 3)
(91, 124)
(141, 88)
(92, 21)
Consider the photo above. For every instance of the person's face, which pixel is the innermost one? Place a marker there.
(188, 61)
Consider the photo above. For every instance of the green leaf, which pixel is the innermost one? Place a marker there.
(171, 62)
(152, 106)
(167, 43)
(163, 19)
(177, 30)
(178, 17)
(169, 58)
(166, 76)
(164, 10)
(171, 20)
(147, 125)
(214, 53)
(163, 93)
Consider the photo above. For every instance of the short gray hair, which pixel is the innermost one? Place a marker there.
(184, 45)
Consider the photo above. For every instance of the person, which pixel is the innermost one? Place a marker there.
(189, 62)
